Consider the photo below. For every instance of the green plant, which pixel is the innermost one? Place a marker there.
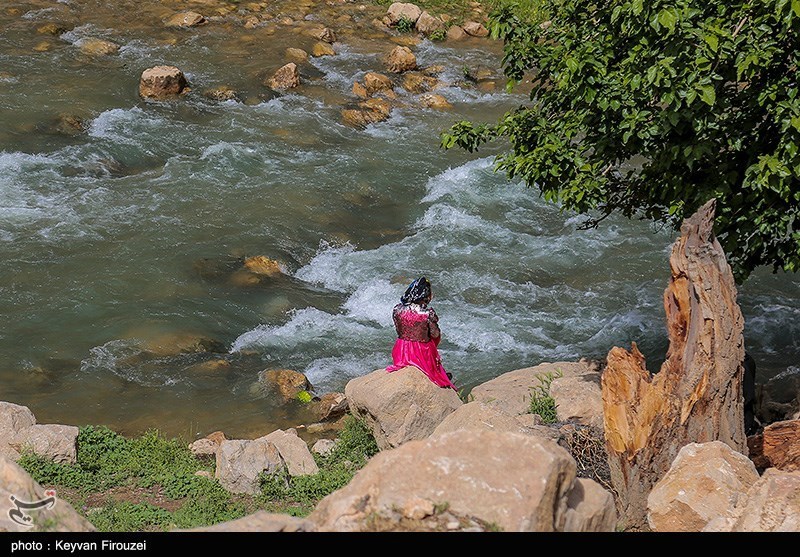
(125, 516)
(355, 446)
(405, 25)
(542, 403)
(651, 109)
(438, 35)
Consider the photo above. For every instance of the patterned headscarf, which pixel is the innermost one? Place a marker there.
(418, 291)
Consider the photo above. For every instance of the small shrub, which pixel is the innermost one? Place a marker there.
(405, 25)
(438, 35)
(125, 516)
(541, 402)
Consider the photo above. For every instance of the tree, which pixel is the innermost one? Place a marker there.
(652, 108)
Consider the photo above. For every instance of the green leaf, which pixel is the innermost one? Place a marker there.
(707, 94)
(713, 41)
(668, 18)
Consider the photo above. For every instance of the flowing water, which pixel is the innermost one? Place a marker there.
(123, 222)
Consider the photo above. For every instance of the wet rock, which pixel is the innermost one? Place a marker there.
(401, 59)
(221, 94)
(43, 46)
(434, 101)
(210, 367)
(322, 49)
(162, 82)
(475, 29)
(181, 342)
(185, 19)
(366, 113)
(325, 34)
(359, 90)
(251, 22)
(289, 383)
(286, 77)
(331, 406)
(51, 29)
(98, 47)
(297, 54)
(416, 82)
(376, 83)
(69, 124)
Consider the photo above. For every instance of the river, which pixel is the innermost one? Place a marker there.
(122, 221)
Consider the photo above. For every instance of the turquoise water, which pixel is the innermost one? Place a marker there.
(128, 233)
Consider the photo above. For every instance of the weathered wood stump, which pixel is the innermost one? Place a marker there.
(696, 397)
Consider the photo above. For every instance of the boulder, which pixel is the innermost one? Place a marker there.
(590, 508)
(98, 47)
(403, 10)
(178, 342)
(417, 82)
(772, 504)
(401, 59)
(185, 19)
(162, 82)
(241, 461)
(478, 415)
(400, 406)
(260, 521)
(516, 482)
(208, 445)
(221, 93)
(297, 54)
(427, 24)
(377, 82)
(331, 407)
(294, 452)
(366, 113)
(475, 29)
(326, 34)
(53, 441)
(258, 264)
(13, 419)
(579, 399)
(455, 33)
(434, 101)
(706, 480)
(511, 392)
(322, 49)
(285, 77)
(323, 447)
(16, 486)
(288, 382)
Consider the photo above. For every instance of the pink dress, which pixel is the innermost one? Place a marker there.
(417, 342)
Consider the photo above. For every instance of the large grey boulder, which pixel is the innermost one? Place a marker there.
(511, 392)
(772, 504)
(241, 461)
(516, 482)
(705, 481)
(18, 488)
(260, 521)
(294, 452)
(19, 432)
(13, 419)
(400, 406)
(54, 441)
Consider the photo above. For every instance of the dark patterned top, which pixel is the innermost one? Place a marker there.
(415, 322)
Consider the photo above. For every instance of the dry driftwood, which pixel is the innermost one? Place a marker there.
(778, 446)
(696, 396)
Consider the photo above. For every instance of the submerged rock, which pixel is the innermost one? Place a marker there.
(286, 77)
(98, 47)
(401, 59)
(185, 19)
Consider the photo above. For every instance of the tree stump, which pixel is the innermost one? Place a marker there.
(696, 396)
